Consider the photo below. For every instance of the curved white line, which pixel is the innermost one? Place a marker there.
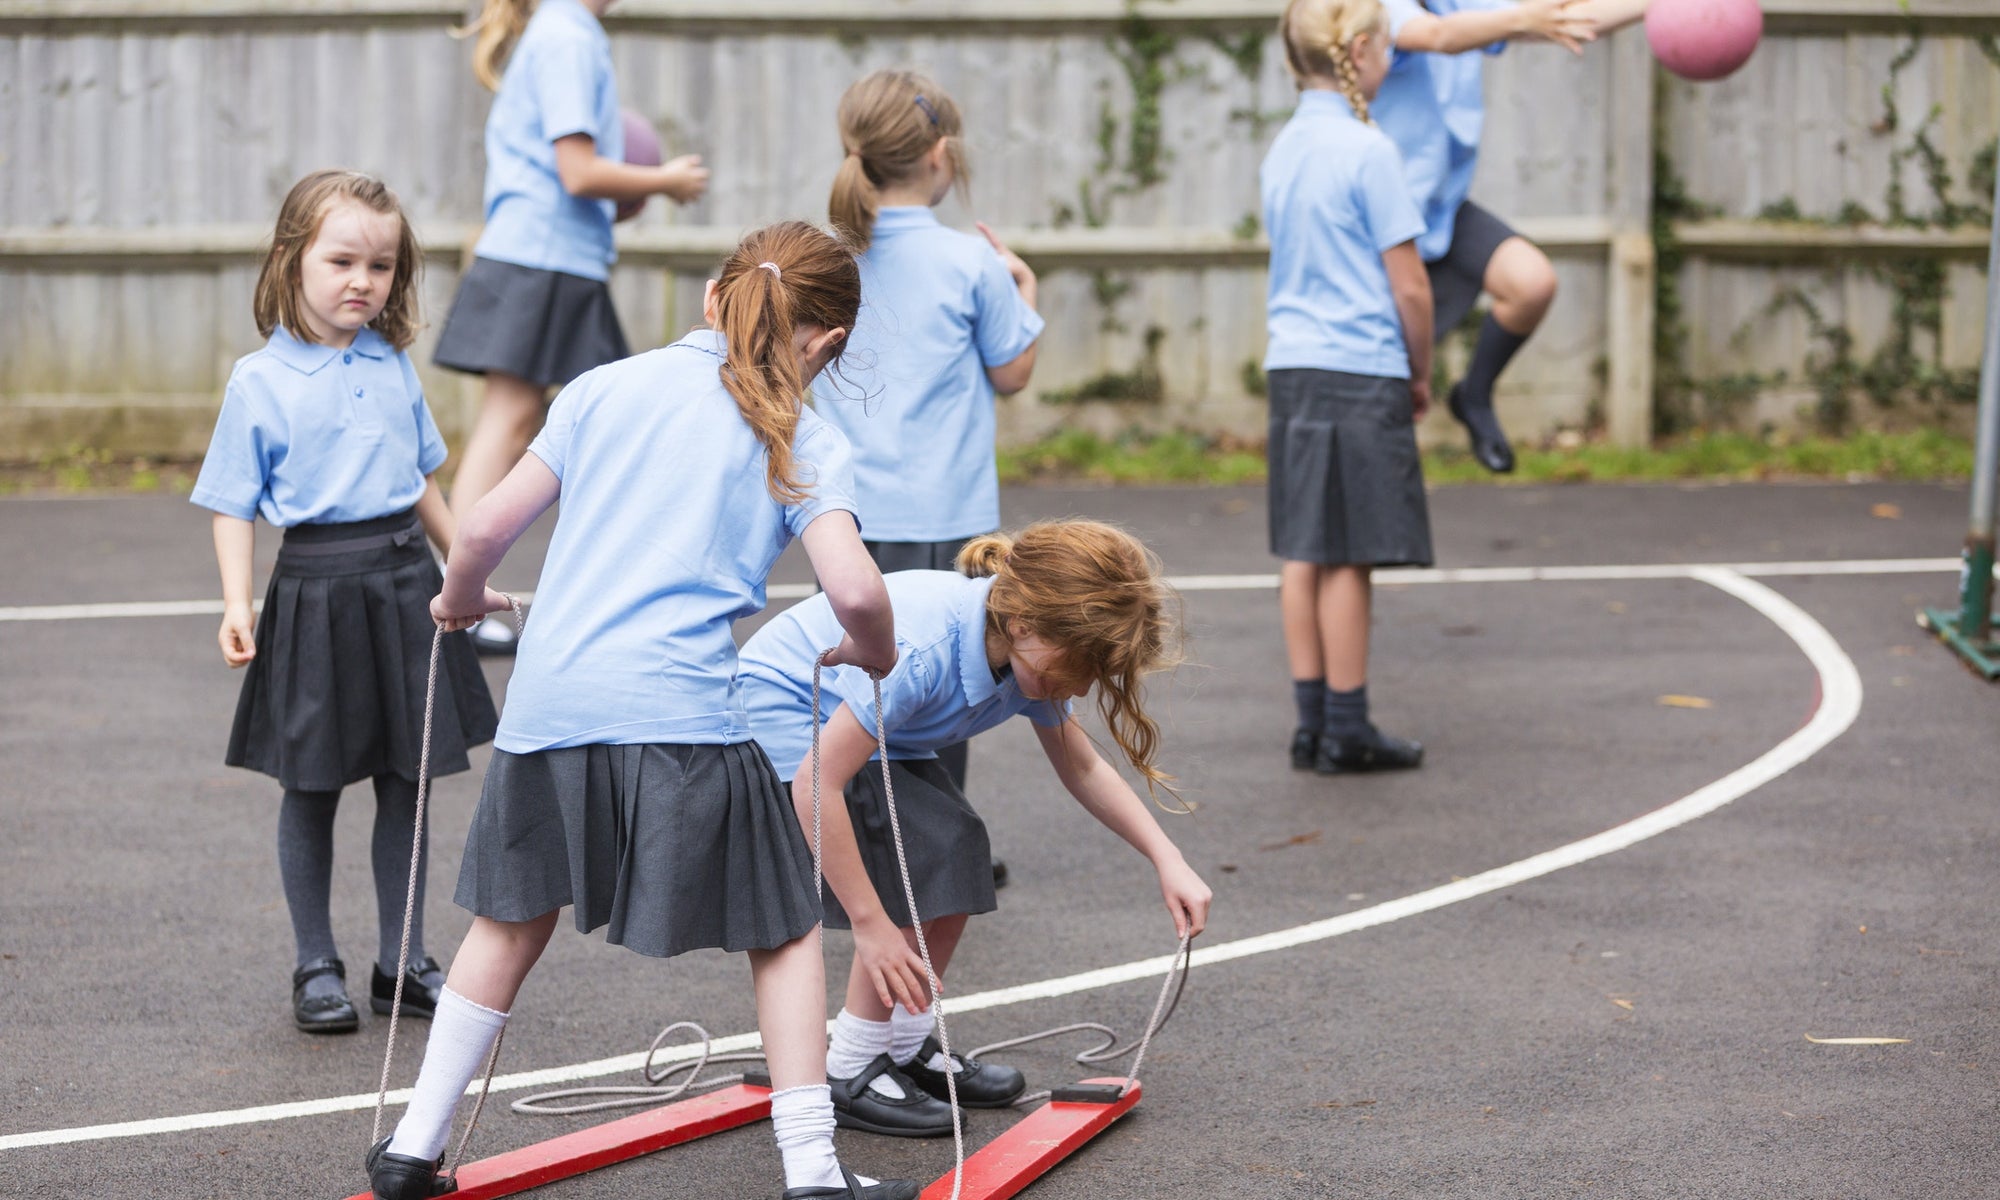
(1839, 704)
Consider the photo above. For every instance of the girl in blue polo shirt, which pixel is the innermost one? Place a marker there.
(325, 433)
(1349, 362)
(1432, 106)
(949, 323)
(624, 779)
(534, 310)
(1032, 621)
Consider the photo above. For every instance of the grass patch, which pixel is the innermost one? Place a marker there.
(1192, 458)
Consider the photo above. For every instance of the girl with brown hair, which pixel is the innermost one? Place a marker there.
(624, 779)
(534, 309)
(325, 433)
(1026, 624)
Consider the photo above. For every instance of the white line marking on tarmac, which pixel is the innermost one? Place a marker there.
(1185, 583)
(1839, 704)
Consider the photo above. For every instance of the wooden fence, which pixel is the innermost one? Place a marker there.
(1805, 237)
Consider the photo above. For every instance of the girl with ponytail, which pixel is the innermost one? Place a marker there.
(950, 323)
(624, 780)
(1349, 362)
(534, 309)
(1025, 625)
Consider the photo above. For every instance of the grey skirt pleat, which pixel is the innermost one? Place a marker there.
(1346, 485)
(546, 327)
(335, 694)
(668, 848)
(951, 861)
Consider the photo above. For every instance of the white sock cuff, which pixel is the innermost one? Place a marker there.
(471, 1010)
(807, 1096)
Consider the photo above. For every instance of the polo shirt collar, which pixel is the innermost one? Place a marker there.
(974, 672)
(308, 357)
(897, 218)
(709, 340)
(1321, 101)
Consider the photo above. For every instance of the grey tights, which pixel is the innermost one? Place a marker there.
(305, 864)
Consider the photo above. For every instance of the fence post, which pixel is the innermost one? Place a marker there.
(1629, 265)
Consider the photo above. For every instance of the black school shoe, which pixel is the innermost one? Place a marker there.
(419, 998)
(1482, 426)
(980, 1084)
(1371, 751)
(1305, 749)
(400, 1177)
(917, 1114)
(854, 1189)
(496, 636)
(322, 1014)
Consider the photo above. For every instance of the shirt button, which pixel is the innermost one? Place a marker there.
(357, 391)
(347, 358)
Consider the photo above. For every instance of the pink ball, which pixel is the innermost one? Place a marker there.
(642, 148)
(1703, 39)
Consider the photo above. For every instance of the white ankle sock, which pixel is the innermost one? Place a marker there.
(856, 1043)
(908, 1031)
(802, 1118)
(462, 1035)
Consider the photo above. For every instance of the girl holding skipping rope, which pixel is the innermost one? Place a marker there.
(1349, 360)
(624, 779)
(534, 310)
(325, 433)
(1025, 625)
(949, 323)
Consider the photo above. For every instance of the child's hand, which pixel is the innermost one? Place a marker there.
(1420, 398)
(237, 636)
(850, 654)
(457, 616)
(1187, 897)
(684, 178)
(1022, 274)
(896, 970)
(1559, 21)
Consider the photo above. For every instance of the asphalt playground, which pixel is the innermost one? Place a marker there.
(1698, 791)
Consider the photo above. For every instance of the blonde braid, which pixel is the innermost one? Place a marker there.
(1349, 80)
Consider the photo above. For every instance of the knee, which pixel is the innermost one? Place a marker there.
(1525, 278)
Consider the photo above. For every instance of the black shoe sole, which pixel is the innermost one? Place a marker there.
(381, 1009)
(347, 1026)
(847, 1120)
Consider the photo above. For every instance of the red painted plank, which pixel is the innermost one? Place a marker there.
(611, 1142)
(1025, 1153)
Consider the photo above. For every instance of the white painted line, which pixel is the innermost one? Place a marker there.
(1186, 583)
(1839, 704)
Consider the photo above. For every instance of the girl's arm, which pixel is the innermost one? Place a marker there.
(1560, 21)
(1607, 16)
(1106, 795)
(484, 537)
(1010, 377)
(853, 586)
(897, 971)
(588, 174)
(235, 548)
(1412, 287)
(436, 516)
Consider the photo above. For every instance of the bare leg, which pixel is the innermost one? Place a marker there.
(791, 1013)
(1298, 611)
(942, 935)
(510, 415)
(496, 956)
(1344, 604)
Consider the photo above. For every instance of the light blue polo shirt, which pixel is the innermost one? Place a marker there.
(1334, 201)
(942, 691)
(558, 82)
(665, 537)
(911, 393)
(1433, 107)
(312, 434)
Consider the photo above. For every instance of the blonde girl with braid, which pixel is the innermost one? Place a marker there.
(1349, 361)
(1025, 625)
(624, 781)
(534, 309)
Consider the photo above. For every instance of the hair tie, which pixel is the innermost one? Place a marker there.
(773, 269)
(930, 112)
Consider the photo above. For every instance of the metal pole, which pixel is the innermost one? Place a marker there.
(1975, 610)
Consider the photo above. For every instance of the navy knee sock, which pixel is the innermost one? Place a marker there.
(1346, 712)
(1490, 356)
(1309, 697)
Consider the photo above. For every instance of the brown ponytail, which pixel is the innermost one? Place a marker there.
(781, 278)
(1318, 36)
(495, 30)
(1095, 593)
(888, 122)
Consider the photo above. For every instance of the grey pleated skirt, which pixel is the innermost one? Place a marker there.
(546, 327)
(1346, 485)
(669, 848)
(335, 694)
(951, 861)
